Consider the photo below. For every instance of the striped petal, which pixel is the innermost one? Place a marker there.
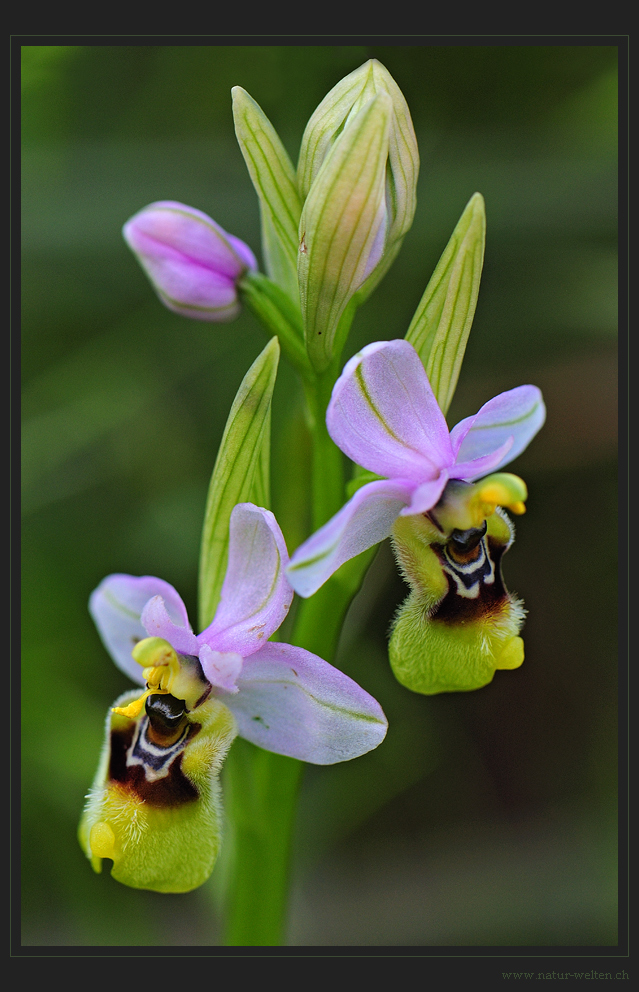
(255, 595)
(190, 233)
(365, 520)
(294, 703)
(384, 416)
(518, 414)
(116, 607)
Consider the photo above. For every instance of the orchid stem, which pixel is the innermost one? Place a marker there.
(261, 798)
(327, 476)
(261, 788)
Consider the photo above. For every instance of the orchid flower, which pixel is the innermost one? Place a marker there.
(164, 748)
(383, 414)
(193, 264)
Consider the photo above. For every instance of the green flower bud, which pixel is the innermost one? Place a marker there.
(343, 227)
(357, 178)
(335, 114)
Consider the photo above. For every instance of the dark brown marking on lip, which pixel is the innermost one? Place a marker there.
(174, 789)
(456, 609)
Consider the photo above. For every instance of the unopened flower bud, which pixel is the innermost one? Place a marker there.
(193, 264)
(335, 114)
(357, 177)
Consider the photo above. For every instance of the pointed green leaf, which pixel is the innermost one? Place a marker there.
(275, 183)
(241, 472)
(441, 325)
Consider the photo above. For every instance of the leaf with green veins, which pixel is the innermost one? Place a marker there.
(241, 472)
(440, 327)
(274, 179)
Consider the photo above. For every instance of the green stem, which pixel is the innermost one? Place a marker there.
(260, 794)
(327, 468)
(261, 788)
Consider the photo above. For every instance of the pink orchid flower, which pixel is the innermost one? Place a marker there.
(283, 698)
(383, 414)
(193, 264)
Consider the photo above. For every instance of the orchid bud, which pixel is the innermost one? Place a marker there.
(193, 264)
(357, 176)
(335, 114)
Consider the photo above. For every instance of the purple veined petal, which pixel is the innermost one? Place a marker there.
(484, 464)
(365, 520)
(294, 703)
(192, 233)
(384, 416)
(221, 669)
(157, 622)
(116, 607)
(187, 287)
(426, 495)
(518, 413)
(256, 595)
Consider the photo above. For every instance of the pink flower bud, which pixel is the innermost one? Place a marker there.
(193, 264)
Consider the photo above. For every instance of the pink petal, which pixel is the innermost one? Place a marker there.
(221, 670)
(158, 623)
(426, 495)
(518, 414)
(116, 607)
(366, 520)
(483, 465)
(256, 595)
(294, 703)
(191, 261)
(384, 416)
(196, 236)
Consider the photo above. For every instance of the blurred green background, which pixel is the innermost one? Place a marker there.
(486, 818)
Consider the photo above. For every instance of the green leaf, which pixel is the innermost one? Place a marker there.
(441, 325)
(278, 315)
(275, 182)
(241, 472)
